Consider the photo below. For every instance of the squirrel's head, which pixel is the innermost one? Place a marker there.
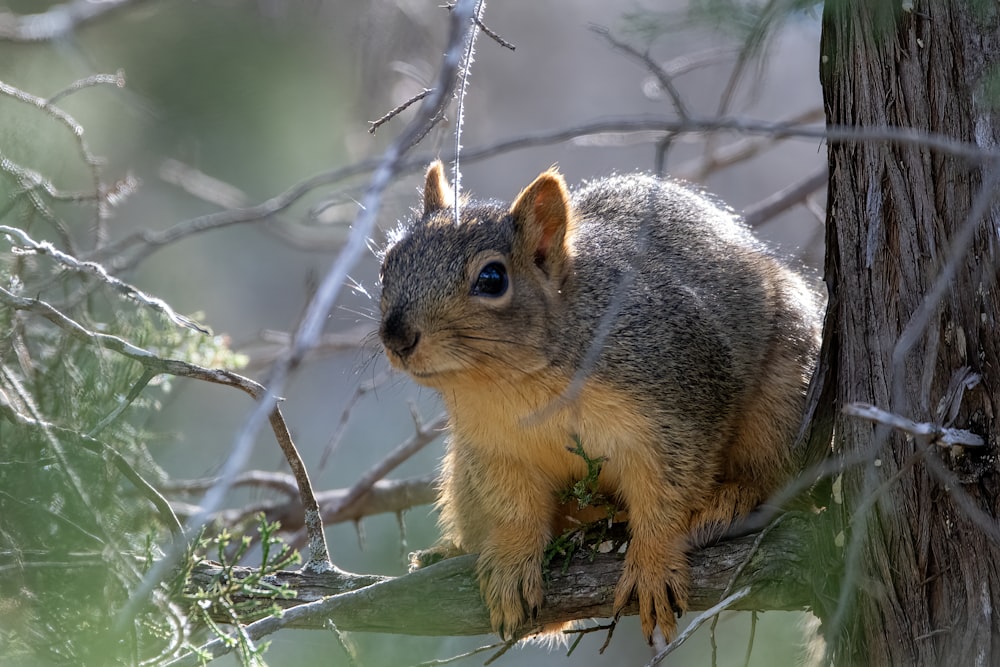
(472, 299)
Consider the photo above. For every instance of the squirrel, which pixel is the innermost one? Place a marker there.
(634, 316)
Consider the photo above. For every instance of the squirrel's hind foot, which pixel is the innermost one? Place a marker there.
(513, 591)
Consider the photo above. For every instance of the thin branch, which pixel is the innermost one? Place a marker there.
(753, 42)
(750, 640)
(741, 150)
(485, 28)
(375, 124)
(274, 344)
(133, 394)
(461, 656)
(760, 212)
(360, 391)
(684, 64)
(95, 269)
(199, 184)
(278, 481)
(391, 496)
(29, 179)
(117, 79)
(425, 434)
(933, 433)
(147, 241)
(696, 623)
(462, 88)
(92, 162)
(665, 79)
(59, 21)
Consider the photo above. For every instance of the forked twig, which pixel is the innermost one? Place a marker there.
(696, 623)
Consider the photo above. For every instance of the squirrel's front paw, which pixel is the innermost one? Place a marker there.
(512, 590)
(438, 552)
(661, 587)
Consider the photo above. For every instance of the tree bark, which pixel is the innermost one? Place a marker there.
(918, 523)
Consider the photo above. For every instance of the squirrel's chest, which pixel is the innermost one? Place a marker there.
(539, 429)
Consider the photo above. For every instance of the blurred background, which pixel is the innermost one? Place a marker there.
(227, 103)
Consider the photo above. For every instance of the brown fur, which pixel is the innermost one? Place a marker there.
(693, 400)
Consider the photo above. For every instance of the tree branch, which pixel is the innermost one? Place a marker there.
(444, 599)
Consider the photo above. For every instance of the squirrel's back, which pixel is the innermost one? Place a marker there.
(692, 298)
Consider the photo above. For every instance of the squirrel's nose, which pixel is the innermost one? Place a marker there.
(398, 335)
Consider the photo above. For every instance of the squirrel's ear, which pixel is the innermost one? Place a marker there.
(544, 220)
(437, 192)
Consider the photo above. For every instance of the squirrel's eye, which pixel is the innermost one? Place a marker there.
(492, 280)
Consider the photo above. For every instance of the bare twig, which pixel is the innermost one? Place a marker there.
(460, 92)
(747, 49)
(273, 344)
(375, 124)
(387, 496)
(750, 640)
(461, 656)
(932, 433)
(742, 566)
(133, 394)
(684, 64)
(738, 151)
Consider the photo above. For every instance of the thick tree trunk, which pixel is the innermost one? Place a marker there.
(919, 524)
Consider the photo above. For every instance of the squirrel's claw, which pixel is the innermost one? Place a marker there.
(661, 592)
